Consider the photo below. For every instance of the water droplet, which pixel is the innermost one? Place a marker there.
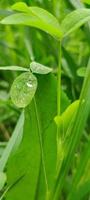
(39, 68)
(29, 85)
(23, 89)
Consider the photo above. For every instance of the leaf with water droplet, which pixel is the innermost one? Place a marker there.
(23, 89)
(3, 179)
(39, 68)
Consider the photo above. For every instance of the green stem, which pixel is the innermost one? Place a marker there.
(58, 101)
(58, 114)
(41, 146)
(59, 82)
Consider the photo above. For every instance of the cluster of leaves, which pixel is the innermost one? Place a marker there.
(48, 154)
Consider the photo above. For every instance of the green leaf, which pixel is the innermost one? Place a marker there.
(39, 68)
(20, 6)
(74, 20)
(23, 176)
(81, 71)
(23, 89)
(81, 180)
(35, 158)
(64, 120)
(3, 179)
(13, 142)
(35, 17)
(13, 68)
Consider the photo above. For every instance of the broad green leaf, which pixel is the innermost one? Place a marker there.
(35, 158)
(81, 71)
(47, 113)
(39, 68)
(3, 179)
(13, 68)
(23, 89)
(74, 20)
(13, 142)
(35, 17)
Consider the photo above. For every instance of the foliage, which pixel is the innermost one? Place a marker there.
(47, 155)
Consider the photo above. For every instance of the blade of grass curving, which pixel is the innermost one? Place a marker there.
(13, 142)
(14, 68)
(74, 20)
(77, 4)
(72, 142)
(81, 179)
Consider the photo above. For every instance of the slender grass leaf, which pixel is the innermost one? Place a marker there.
(13, 142)
(23, 89)
(74, 20)
(35, 17)
(13, 68)
(81, 180)
(3, 179)
(39, 68)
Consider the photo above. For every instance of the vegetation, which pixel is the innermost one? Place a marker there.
(45, 100)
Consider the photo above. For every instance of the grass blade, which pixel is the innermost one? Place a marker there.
(11, 144)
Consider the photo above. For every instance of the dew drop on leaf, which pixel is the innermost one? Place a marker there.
(39, 68)
(23, 89)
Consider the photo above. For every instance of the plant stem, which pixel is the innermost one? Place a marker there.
(59, 82)
(58, 100)
(41, 146)
(58, 114)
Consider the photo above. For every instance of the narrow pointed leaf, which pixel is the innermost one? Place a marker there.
(23, 89)
(13, 68)
(39, 68)
(81, 180)
(14, 140)
(3, 179)
(74, 20)
(64, 120)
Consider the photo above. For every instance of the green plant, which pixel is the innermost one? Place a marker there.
(45, 141)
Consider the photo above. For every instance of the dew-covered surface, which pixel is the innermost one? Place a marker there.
(23, 89)
(39, 68)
